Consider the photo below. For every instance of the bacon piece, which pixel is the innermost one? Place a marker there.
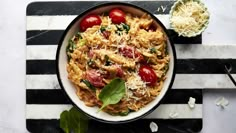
(131, 52)
(95, 78)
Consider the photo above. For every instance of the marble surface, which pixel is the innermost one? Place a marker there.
(221, 31)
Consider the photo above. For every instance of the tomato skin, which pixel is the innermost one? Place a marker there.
(90, 21)
(117, 16)
(148, 75)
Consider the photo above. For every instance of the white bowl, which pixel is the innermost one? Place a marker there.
(69, 88)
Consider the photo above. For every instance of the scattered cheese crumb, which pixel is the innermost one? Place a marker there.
(222, 102)
(191, 102)
(153, 127)
(173, 115)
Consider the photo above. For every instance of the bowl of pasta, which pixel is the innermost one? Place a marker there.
(116, 62)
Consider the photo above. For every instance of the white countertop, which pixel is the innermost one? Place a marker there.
(221, 31)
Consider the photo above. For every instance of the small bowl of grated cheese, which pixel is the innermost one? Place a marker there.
(189, 18)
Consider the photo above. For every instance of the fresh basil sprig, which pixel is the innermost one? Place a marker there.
(88, 84)
(73, 121)
(112, 93)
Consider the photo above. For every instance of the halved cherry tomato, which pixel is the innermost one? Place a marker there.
(148, 75)
(90, 21)
(117, 16)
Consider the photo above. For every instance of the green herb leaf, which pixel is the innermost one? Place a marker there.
(91, 63)
(70, 48)
(88, 84)
(103, 28)
(78, 35)
(153, 50)
(107, 62)
(126, 112)
(82, 42)
(112, 93)
(73, 121)
(126, 27)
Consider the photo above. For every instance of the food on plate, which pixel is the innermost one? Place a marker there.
(118, 61)
(189, 17)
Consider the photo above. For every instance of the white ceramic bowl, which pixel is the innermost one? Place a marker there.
(69, 88)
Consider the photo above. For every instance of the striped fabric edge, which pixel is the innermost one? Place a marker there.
(164, 111)
(60, 22)
(139, 126)
(58, 96)
(183, 66)
(190, 51)
(60, 8)
(182, 81)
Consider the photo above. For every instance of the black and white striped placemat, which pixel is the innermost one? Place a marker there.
(196, 69)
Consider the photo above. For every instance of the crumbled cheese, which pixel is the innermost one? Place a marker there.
(191, 102)
(135, 82)
(222, 102)
(173, 115)
(153, 127)
(189, 17)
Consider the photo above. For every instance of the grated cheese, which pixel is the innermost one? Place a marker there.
(189, 18)
(134, 83)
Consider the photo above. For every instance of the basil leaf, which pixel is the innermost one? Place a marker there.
(153, 50)
(82, 42)
(126, 27)
(70, 48)
(107, 62)
(78, 35)
(103, 28)
(64, 118)
(73, 121)
(112, 93)
(88, 84)
(126, 112)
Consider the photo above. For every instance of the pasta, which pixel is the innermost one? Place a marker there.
(106, 51)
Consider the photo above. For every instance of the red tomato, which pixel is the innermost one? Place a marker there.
(148, 75)
(117, 16)
(90, 21)
(127, 51)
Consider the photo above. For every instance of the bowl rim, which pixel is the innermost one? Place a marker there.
(108, 4)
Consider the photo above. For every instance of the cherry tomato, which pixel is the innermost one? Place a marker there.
(127, 51)
(148, 75)
(117, 16)
(90, 21)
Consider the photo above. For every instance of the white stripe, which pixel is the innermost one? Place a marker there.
(37, 52)
(60, 22)
(48, 22)
(42, 82)
(162, 112)
(186, 51)
(197, 51)
(182, 81)
(203, 81)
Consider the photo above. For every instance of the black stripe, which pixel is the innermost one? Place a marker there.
(184, 66)
(49, 37)
(174, 96)
(40, 67)
(139, 126)
(76, 8)
(43, 37)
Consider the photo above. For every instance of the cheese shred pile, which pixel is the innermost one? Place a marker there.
(189, 18)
